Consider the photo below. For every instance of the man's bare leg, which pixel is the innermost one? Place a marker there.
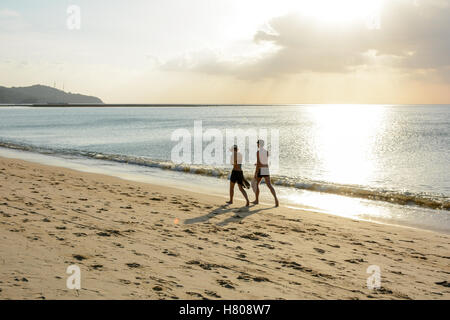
(258, 180)
(272, 190)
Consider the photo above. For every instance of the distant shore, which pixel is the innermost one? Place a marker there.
(140, 241)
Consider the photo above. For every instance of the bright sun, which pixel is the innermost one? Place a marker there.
(340, 10)
(253, 12)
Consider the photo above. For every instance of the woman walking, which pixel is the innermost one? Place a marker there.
(237, 176)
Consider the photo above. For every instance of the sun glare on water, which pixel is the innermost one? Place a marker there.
(346, 140)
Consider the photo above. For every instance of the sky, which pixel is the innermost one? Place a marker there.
(231, 51)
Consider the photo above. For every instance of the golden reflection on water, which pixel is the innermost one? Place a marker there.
(346, 140)
(347, 207)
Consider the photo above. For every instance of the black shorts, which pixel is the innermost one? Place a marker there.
(237, 176)
(263, 172)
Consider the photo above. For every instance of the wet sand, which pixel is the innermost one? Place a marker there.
(140, 241)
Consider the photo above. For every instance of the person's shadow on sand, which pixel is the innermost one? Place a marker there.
(240, 214)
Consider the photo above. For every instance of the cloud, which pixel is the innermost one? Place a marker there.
(214, 62)
(413, 37)
(7, 13)
(12, 22)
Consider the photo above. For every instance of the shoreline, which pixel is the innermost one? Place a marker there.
(135, 240)
(416, 202)
(208, 185)
(157, 181)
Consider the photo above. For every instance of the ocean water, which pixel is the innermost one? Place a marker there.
(394, 155)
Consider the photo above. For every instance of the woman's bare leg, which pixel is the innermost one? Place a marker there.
(245, 195)
(231, 192)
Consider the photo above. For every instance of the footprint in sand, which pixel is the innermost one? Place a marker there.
(23, 279)
(103, 234)
(226, 284)
(247, 277)
(124, 281)
(170, 253)
(329, 262)
(80, 234)
(355, 261)
(212, 294)
(250, 236)
(443, 283)
(96, 266)
(133, 265)
(79, 257)
(266, 245)
(195, 294)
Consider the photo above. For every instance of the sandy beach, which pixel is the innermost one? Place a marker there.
(141, 241)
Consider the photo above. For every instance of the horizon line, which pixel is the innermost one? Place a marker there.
(86, 105)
